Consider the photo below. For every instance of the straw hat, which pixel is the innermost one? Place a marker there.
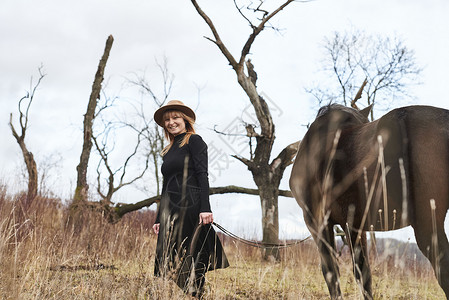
(172, 105)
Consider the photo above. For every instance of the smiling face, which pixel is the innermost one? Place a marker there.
(174, 122)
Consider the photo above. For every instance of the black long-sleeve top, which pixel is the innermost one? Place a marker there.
(196, 196)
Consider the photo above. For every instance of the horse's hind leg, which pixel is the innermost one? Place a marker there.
(437, 254)
(443, 261)
(325, 240)
(430, 208)
(362, 271)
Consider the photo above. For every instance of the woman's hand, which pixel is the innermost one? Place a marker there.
(206, 218)
(156, 228)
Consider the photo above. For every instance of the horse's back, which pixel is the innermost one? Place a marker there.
(427, 136)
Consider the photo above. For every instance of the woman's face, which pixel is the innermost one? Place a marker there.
(174, 123)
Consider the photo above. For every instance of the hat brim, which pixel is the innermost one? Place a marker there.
(159, 114)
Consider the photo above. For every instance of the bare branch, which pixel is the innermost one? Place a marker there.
(142, 82)
(217, 40)
(226, 133)
(258, 29)
(112, 187)
(121, 208)
(359, 94)
(168, 79)
(14, 132)
(142, 173)
(242, 190)
(249, 163)
(239, 9)
(284, 159)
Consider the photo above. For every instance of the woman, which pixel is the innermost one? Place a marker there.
(187, 245)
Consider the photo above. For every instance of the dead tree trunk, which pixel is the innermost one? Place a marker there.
(28, 157)
(270, 214)
(81, 191)
(29, 162)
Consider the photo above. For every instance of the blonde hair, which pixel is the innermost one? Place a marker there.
(189, 129)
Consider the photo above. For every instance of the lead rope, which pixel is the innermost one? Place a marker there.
(258, 244)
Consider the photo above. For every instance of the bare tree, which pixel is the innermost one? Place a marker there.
(266, 174)
(152, 133)
(149, 142)
(149, 138)
(48, 169)
(384, 67)
(24, 108)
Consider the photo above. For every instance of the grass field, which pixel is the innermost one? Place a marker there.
(42, 258)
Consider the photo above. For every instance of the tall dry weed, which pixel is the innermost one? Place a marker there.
(43, 258)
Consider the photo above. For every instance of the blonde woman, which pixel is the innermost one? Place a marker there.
(187, 245)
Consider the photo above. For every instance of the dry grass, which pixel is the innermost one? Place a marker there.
(42, 258)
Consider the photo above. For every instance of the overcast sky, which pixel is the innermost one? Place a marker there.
(67, 38)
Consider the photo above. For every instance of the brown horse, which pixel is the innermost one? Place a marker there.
(380, 175)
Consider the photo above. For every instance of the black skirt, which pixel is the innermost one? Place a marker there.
(185, 250)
